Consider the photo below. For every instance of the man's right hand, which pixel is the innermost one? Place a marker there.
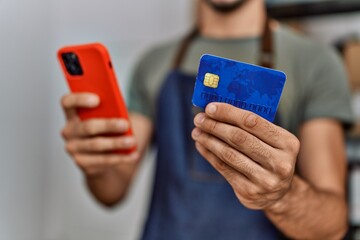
(85, 140)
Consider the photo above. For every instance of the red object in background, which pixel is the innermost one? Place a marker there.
(88, 68)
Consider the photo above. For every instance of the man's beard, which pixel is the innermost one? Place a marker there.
(226, 7)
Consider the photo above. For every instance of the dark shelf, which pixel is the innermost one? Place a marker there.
(301, 10)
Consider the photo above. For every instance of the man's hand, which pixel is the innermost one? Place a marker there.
(255, 156)
(91, 151)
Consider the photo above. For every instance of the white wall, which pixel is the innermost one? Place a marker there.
(42, 194)
(24, 117)
(127, 27)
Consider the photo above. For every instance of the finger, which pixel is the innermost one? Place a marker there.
(239, 139)
(249, 193)
(100, 144)
(93, 127)
(250, 122)
(236, 179)
(230, 156)
(86, 161)
(72, 101)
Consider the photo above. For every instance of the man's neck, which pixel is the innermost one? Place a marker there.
(246, 21)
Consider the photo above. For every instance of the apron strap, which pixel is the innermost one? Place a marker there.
(266, 54)
(185, 43)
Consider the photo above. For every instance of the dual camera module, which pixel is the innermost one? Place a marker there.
(72, 63)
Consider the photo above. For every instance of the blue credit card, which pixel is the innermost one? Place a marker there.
(246, 86)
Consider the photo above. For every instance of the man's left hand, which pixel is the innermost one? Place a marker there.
(255, 156)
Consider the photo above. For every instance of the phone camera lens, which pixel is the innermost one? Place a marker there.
(72, 63)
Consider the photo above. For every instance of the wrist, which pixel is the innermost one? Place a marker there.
(101, 172)
(291, 197)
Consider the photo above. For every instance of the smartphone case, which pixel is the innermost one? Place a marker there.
(98, 77)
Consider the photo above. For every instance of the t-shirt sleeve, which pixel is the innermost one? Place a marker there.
(138, 94)
(328, 94)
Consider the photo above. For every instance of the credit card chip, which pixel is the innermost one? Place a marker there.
(211, 80)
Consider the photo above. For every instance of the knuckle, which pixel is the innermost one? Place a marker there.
(220, 166)
(238, 137)
(69, 148)
(296, 145)
(251, 192)
(79, 160)
(95, 144)
(211, 125)
(70, 100)
(286, 169)
(271, 184)
(248, 169)
(229, 155)
(64, 133)
(274, 133)
(110, 125)
(266, 154)
(64, 100)
(89, 128)
(293, 145)
(251, 120)
(117, 143)
(261, 151)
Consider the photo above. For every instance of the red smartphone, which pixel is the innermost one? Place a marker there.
(88, 68)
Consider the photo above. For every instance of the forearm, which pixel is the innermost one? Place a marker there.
(111, 186)
(307, 213)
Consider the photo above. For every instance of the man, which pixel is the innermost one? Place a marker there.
(266, 181)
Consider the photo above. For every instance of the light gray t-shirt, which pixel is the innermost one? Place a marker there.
(316, 85)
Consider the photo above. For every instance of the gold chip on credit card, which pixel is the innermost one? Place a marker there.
(211, 80)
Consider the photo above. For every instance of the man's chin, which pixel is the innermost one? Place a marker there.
(225, 7)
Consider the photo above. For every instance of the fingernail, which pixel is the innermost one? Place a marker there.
(196, 133)
(200, 118)
(93, 100)
(211, 108)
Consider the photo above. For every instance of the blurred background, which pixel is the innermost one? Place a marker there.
(42, 193)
